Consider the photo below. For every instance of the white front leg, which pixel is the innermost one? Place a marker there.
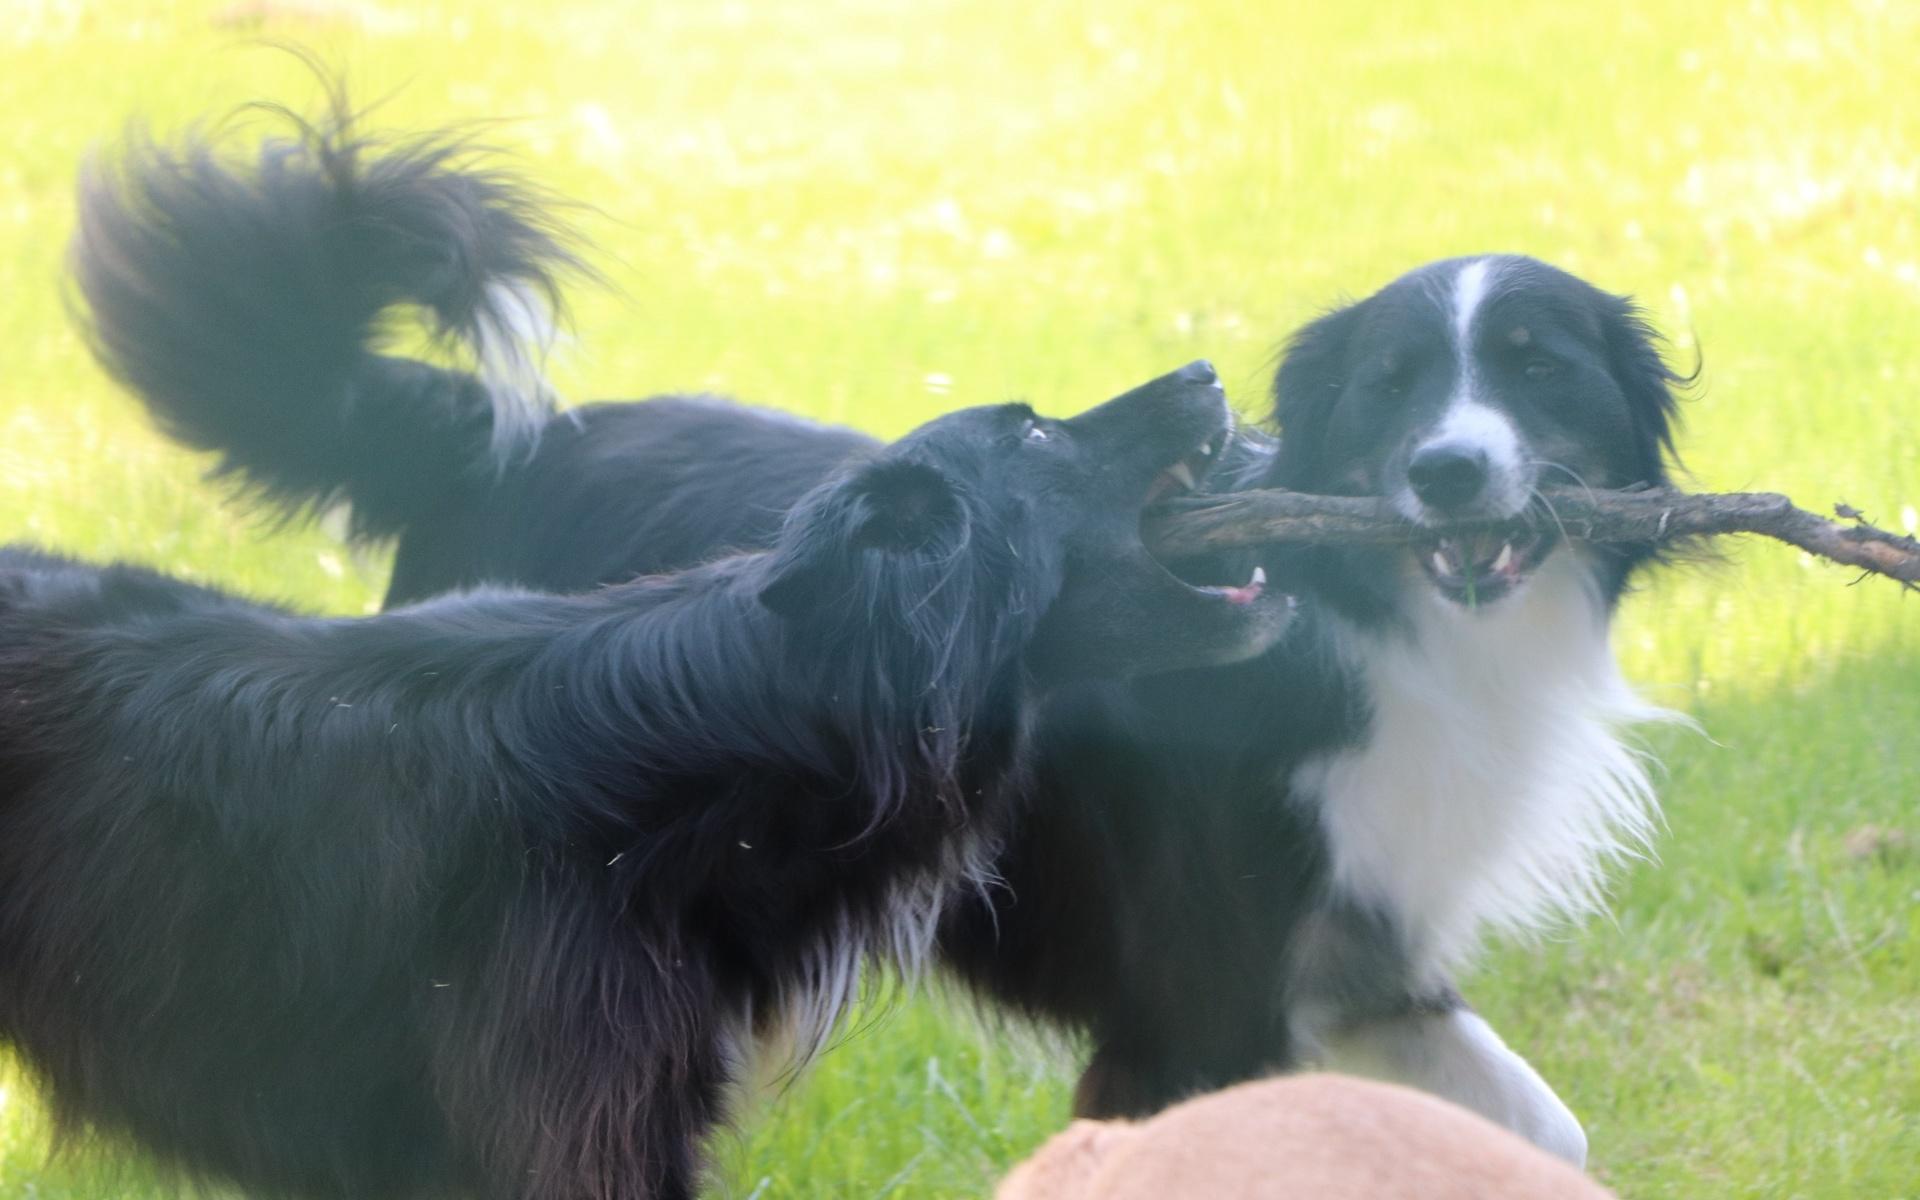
(1458, 1057)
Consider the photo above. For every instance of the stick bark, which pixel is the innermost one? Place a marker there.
(1652, 517)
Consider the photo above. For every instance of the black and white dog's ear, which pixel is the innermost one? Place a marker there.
(1312, 375)
(1641, 372)
(890, 507)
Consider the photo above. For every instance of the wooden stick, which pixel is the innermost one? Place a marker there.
(1650, 517)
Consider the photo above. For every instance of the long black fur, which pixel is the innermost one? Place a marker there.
(494, 895)
(1168, 892)
(209, 286)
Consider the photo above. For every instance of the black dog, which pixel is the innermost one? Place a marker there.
(495, 895)
(1226, 872)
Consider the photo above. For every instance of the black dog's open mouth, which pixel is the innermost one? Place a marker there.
(1481, 566)
(1183, 477)
(1187, 471)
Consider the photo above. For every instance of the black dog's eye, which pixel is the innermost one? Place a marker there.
(1541, 368)
(1032, 432)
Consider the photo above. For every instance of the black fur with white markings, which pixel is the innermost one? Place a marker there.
(1174, 891)
(1364, 394)
(492, 896)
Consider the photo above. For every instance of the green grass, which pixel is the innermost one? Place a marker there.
(870, 212)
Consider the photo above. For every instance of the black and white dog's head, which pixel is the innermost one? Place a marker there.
(1458, 392)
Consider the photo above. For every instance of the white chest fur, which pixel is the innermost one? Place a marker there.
(1492, 786)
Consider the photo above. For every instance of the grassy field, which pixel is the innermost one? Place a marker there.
(870, 212)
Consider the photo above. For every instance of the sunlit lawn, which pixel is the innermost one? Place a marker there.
(871, 212)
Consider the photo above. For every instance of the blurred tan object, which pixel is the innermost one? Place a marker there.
(1305, 1137)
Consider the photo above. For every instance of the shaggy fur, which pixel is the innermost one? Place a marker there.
(245, 303)
(1230, 871)
(493, 895)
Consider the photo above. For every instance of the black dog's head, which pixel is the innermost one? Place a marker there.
(1459, 391)
(1032, 527)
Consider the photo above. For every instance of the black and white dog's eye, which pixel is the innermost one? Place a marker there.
(1032, 432)
(1394, 377)
(1541, 368)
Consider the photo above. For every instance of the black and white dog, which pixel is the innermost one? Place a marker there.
(1285, 861)
(1471, 772)
(495, 896)
(1223, 873)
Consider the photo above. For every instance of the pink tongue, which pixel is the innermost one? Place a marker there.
(1245, 594)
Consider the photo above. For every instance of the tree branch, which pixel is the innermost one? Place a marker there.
(1651, 517)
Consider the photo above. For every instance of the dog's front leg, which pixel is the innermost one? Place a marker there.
(1456, 1055)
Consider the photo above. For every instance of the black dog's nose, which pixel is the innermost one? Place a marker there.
(1198, 371)
(1449, 475)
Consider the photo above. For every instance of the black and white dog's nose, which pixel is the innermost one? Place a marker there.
(1448, 475)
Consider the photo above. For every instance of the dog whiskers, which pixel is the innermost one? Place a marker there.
(1569, 472)
(1547, 504)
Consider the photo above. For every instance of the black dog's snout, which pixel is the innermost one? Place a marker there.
(1449, 475)
(1198, 371)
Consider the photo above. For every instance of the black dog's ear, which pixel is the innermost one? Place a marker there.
(1305, 390)
(1635, 361)
(891, 507)
(905, 506)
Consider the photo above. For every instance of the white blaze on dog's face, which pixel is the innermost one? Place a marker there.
(1472, 459)
(1459, 392)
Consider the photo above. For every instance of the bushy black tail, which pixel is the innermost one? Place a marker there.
(242, 301)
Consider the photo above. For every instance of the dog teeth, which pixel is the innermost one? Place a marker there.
(1259, 577)
(1506, 557)
(1183, 474)
(1440, 563)
(1204, 449)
